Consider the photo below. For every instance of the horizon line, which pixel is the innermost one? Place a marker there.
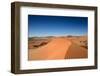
(58, 36)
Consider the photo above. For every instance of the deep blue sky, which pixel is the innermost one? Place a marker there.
(39, 25)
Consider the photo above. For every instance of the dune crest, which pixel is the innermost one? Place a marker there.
(57, 48)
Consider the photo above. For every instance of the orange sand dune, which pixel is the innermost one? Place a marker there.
(75, 51)
(57, 48)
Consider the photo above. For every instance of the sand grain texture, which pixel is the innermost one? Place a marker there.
(57, 48)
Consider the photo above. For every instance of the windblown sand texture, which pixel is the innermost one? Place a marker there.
(58, 48)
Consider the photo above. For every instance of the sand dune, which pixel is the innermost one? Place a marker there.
(75, 51)
(58, 48)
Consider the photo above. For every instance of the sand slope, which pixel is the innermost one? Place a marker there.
(57, 48)
(75, 51)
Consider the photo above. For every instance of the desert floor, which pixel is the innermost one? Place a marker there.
(58, 48)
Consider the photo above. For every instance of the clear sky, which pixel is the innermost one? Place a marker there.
(39, 25)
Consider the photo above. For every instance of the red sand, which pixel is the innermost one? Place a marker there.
(57, 48)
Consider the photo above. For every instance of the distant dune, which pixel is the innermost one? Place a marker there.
(58, 48)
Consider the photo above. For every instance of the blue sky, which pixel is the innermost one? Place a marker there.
(39, 25)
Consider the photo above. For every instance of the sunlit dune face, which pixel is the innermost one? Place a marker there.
(57, 48)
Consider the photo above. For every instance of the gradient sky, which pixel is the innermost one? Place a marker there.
(39, 25)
